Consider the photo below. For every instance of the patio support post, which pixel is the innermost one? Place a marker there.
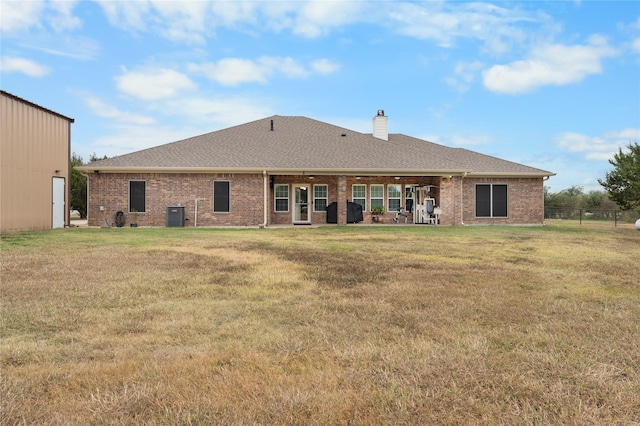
(342, 200)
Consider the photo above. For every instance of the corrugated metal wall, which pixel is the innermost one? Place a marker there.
(34, 143)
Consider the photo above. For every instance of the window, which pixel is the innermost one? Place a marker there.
(377, 196)
(491, 200)
(137, 195)
(359, 195)
(394, 195)
(320, 198)
(221, 196)
(282, 198)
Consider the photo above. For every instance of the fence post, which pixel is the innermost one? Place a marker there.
(580, 216)
(615, 218)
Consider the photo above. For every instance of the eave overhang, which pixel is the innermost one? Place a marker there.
(85, 170)
(541, 174)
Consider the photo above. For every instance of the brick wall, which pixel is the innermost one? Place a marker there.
(525, 198)
(163, 190)
(449, 201)
(525, 201)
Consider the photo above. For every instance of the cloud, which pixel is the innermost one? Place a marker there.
(125, 138)
(232, 13)
(194, 22)
(464, 75)
(460, 140)
(221, 111)
(596, 148)
(80, 48)
(319, 17)
(202, 115)
(324, 66)
(236, 71)
(62, 18)
(189, 22)
(287, 66)
(9, 64)
(552, 64)
(153, 84)
(33, 24)
(232, 71)
(126, 15)
(104, 110)
(19, 16)
(444, 23)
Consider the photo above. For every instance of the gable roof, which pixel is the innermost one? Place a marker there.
(292, 145)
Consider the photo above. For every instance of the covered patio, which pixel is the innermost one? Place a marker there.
(303, 199)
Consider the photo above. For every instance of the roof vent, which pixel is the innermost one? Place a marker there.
(272, 125)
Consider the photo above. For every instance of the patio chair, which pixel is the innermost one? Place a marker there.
(399, 214)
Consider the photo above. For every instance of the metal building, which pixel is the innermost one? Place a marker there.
(35, 152)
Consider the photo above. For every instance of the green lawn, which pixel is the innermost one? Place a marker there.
(332, 325)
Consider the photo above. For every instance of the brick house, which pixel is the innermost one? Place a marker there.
(290, 170)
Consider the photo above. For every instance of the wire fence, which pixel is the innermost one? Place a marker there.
(585, 215)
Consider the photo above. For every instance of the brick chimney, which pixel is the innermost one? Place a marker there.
(381, 126)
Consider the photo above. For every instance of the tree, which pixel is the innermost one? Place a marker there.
(94, 158)
(79, 184)
(78, 187)
(623, 182)
(571, 197)
(597, 200)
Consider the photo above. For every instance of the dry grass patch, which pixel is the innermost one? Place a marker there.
(358, 325)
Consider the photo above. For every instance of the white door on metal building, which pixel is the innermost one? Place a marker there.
(57, 208)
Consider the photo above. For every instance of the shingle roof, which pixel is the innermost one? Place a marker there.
(302, 144)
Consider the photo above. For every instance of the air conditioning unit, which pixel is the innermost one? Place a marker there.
(175, 216)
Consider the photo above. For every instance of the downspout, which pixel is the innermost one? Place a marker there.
(265, 202)
(86, 200)
(462, 198)
(544, 179)
(195, 218)
(67, 184)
